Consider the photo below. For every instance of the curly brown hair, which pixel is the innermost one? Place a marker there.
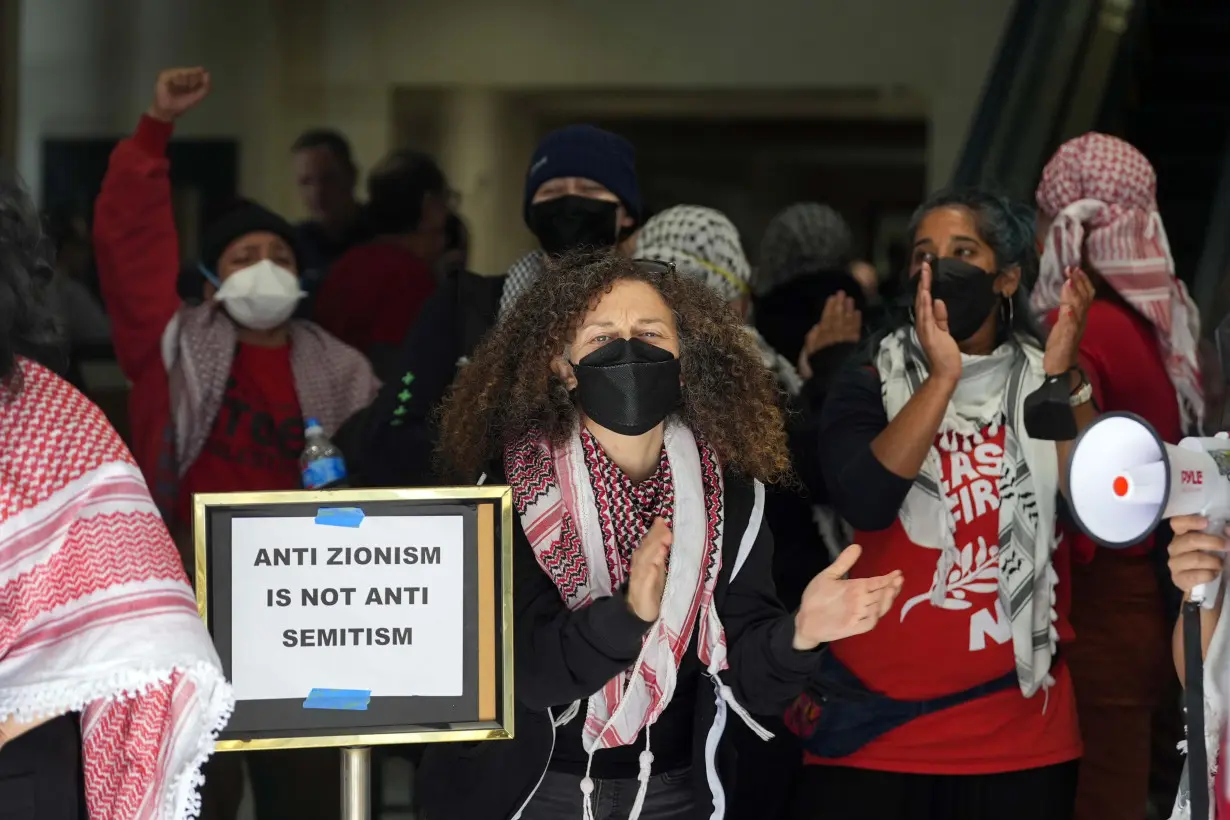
(730, 398)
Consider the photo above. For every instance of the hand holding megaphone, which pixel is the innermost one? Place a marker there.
(1123, 480)
(1197, 557)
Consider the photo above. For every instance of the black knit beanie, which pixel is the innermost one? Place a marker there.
(244, 218)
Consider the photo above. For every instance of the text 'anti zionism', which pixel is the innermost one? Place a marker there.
(345, 596)
(345, 556)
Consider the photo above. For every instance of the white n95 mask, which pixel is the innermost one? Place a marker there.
(260, 296)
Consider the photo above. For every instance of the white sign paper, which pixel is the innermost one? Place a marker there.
(377, 607)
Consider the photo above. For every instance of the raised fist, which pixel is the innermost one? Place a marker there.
(178, 91)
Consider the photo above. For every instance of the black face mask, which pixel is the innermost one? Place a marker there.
(966, 290)
(628, 386)
(570, 223)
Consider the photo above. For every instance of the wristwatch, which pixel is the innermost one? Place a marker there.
(1082, 394)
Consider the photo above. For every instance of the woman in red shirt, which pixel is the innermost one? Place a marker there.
(1098, 209)
(957, 706)
(219, 390)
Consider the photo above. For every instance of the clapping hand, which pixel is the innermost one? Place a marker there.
(840, 321)
(178, 91)
(647, 572)
(836, 607)
(931, 324)
(1063, 343)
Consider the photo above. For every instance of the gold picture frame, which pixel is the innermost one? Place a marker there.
(495, 695)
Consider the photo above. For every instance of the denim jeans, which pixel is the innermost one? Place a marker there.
(670, 796)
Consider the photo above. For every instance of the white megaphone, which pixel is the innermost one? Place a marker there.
(1123, 480)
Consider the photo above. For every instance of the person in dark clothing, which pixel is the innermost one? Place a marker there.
(456, 255)
(326, 176)
(391, 444)
(811, 310)
(805, 238)
(925, 453)
(373, 293)
(618, 399)
(580, 191)
(810, 306)
(821, 350)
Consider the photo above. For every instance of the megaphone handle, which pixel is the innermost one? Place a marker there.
(1193, 697)
(1207, 594)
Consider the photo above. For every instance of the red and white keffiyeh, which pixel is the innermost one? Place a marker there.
(96, 615)
(1101, 195)
(583, 537)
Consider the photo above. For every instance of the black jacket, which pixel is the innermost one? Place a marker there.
(563, 656)
(41, 775)
(390, 444)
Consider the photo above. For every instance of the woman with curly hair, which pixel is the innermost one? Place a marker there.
(110, 691)
(959, 707)
(635, 422)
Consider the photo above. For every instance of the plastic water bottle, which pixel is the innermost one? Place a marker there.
(322, 463)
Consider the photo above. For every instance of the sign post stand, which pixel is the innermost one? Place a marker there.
(356, 783)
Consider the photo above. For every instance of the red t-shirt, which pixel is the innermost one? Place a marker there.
(372, 295)
(257, 437)
(919, 651)
(1120, 355)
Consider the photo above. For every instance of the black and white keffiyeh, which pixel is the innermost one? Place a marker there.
(521, 276)
(784, 373)
(805, 238)
(991, 394)
(701, 243)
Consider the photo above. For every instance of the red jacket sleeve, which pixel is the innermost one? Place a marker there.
(136, 246)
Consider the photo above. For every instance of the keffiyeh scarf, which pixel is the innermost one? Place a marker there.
(520, 277)
(701, 243)
(704, 244)
(584, 519)
(991, 394)
(96, 615)
(1100, 193)
(332, 380)
(805, 238)
(785, 373)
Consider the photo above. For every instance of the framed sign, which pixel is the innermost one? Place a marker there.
(360, 617)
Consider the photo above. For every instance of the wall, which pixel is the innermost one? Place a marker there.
(87, 69)
(282, 65)
(941, 47)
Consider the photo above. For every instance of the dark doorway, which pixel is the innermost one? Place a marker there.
(204, 180)
(751, 168)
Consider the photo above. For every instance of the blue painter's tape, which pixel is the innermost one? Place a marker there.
(339, 517)
(354, 700)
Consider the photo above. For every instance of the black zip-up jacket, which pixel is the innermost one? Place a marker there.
(563, 656)
(390, 443)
